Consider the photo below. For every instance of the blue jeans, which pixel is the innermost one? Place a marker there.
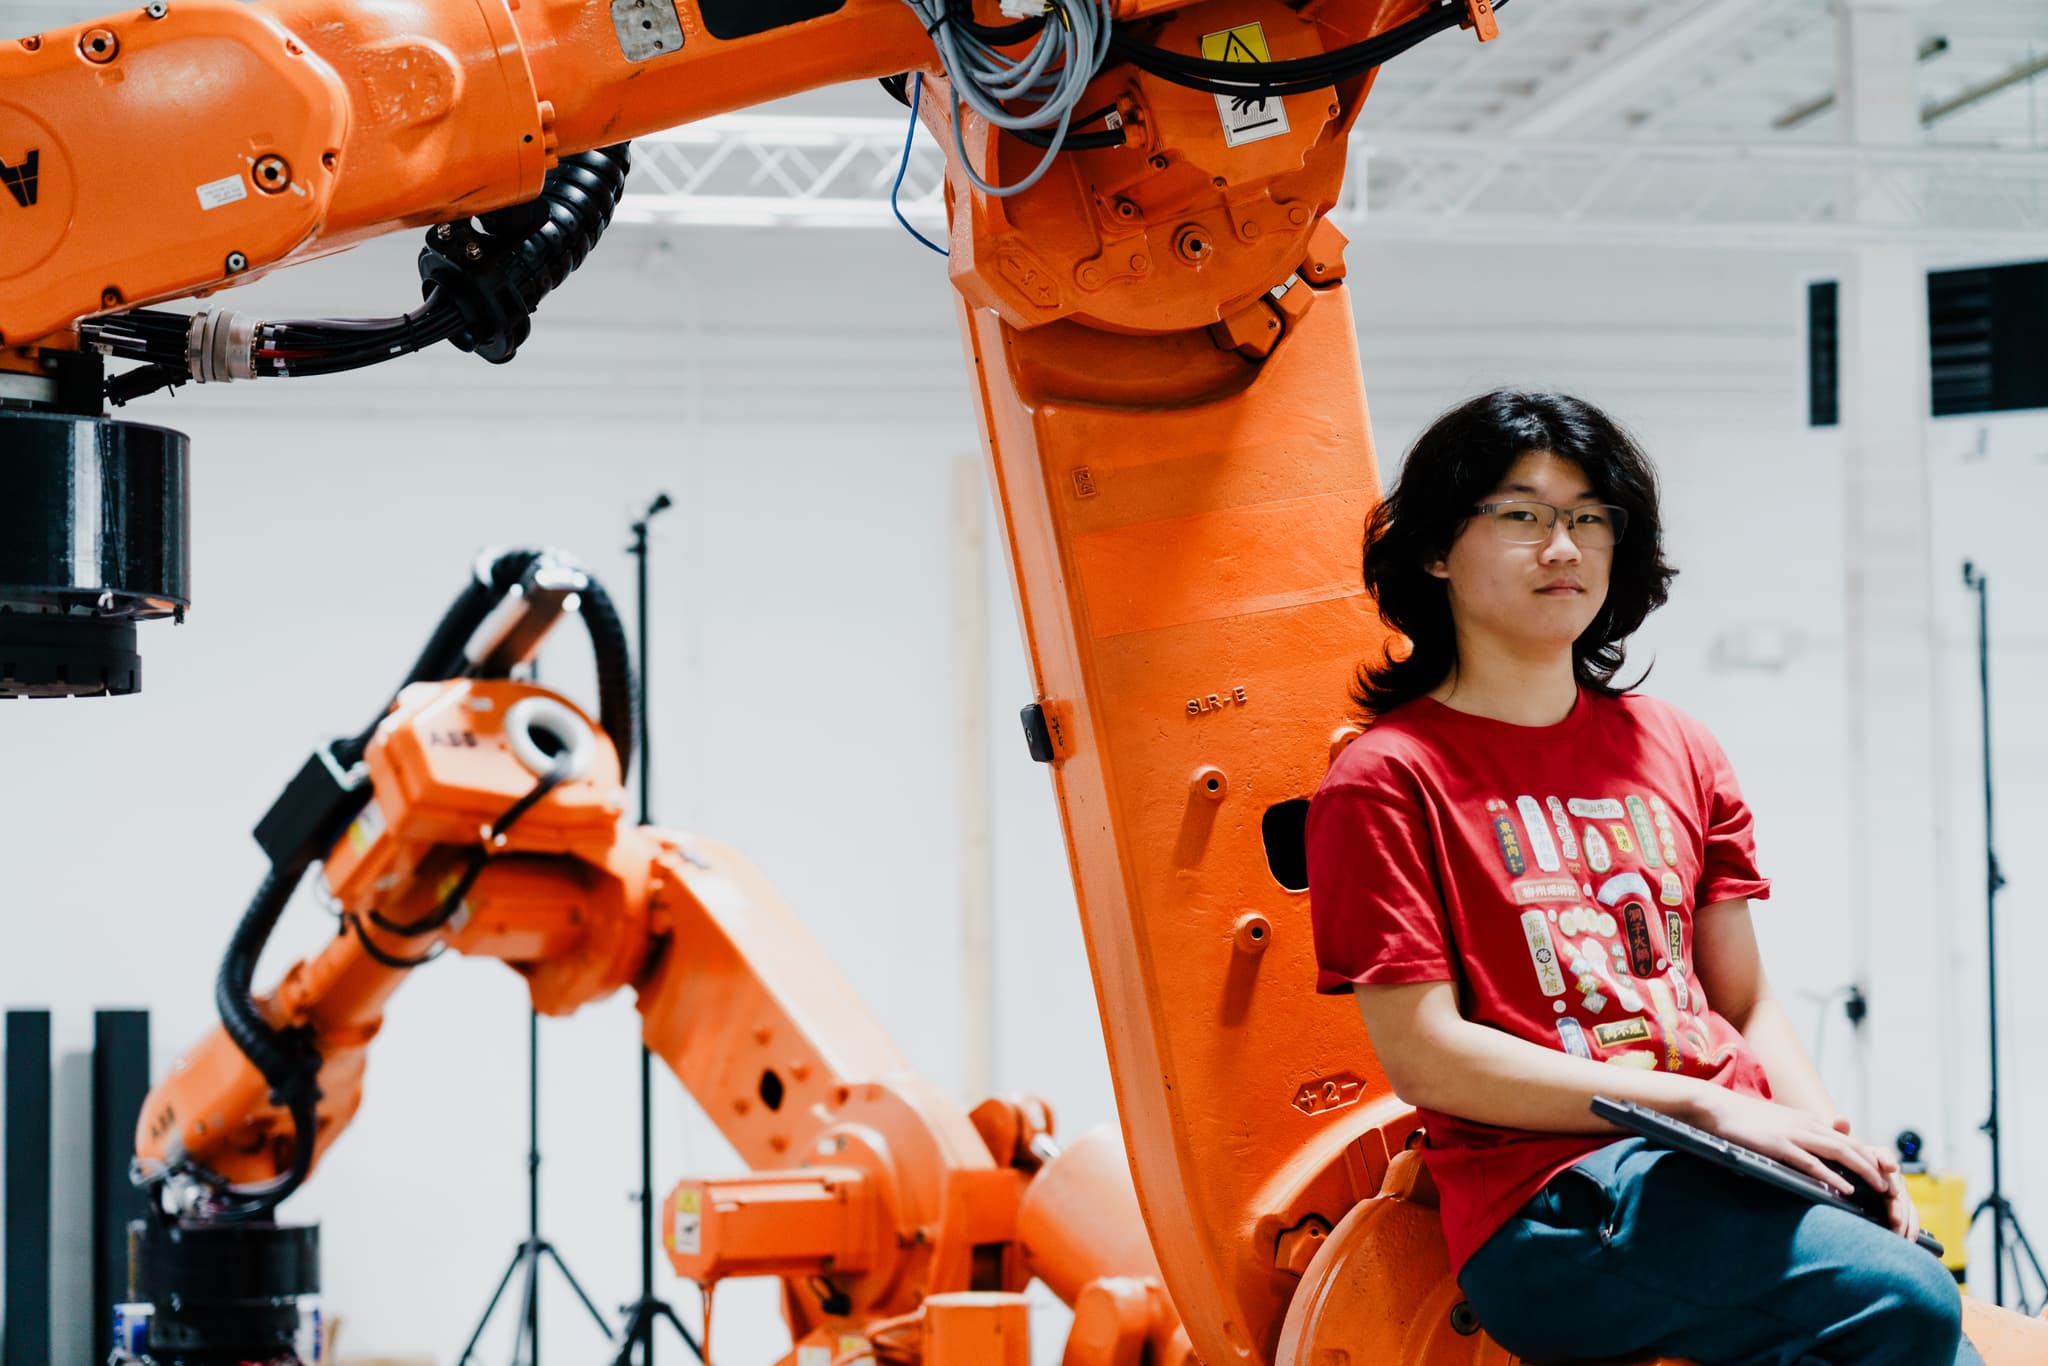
(1638, 1251)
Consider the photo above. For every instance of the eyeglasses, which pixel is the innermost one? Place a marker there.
(1592, 526)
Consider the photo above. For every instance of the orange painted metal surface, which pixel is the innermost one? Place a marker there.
(977, 1329)
(1166, 792)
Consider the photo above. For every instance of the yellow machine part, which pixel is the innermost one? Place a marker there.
(1945, 1214)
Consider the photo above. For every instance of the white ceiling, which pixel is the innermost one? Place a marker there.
(1703, 70)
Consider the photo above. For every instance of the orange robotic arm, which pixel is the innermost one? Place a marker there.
(1164, 361)
(494, 827)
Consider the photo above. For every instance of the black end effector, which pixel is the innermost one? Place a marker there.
(495, 269)
(93, 540)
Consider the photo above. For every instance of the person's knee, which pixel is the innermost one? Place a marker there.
(1924, 1309)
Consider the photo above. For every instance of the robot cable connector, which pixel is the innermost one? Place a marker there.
(482, 279)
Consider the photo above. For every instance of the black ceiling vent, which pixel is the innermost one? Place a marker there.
(1987, 334)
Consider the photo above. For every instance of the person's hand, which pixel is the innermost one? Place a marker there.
(1904, 1214)
(1800, 1139)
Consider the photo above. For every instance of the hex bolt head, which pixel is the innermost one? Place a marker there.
(237, 263)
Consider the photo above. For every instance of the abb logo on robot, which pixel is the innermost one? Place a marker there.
(20, 180)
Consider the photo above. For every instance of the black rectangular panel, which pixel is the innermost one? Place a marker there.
(120, 1081)
(1823, 354)
(1987, 337)
(729, 19)
(27, 1325)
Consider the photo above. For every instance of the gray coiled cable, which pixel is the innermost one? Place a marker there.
(1070, 49)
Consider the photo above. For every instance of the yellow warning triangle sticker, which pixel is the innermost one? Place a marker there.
(1245, 43)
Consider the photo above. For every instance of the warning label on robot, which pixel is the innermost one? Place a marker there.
(1246, 117)
(687, 1237)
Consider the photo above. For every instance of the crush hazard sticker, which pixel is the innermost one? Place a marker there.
(1247, 117)
(686, 1237)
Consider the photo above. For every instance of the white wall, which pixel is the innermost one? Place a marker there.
(802, 397)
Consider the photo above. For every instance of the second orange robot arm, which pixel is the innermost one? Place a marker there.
(869, 1183)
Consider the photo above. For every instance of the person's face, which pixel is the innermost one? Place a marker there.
(1527, 597)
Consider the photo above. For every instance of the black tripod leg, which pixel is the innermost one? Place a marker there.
(529, 1316)
(469, 1349)
(2020, 1246)
(635, 1329)
(689, 1338)
(570, 1276)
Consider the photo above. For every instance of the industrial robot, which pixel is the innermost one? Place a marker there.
(1158, 329)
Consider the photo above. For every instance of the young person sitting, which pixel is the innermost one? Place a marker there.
(1536, 884)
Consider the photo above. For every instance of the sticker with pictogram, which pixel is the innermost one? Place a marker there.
(1248, 116)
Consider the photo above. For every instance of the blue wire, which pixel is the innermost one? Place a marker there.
(916, 93)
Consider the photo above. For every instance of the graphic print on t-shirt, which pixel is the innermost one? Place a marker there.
(1566, 840)
(1639, 817)
(1539, 835)
(1423, 864)
(1596, 851)
(1622, 954)
(1504, 835)
(1542, 953)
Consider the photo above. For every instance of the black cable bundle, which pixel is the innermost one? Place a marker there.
(495, 270)
(1295, 76)
(482, 279)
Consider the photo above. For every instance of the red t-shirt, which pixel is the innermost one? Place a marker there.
(1551, 872)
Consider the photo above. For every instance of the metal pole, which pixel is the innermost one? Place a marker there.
(1993, 880)
(644, 1319)
(533, 1180)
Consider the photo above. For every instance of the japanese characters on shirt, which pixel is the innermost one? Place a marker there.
(1605, 914)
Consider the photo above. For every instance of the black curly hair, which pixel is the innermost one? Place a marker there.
(1455, 464)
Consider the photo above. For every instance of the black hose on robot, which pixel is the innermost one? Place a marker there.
(287, 1059)
(442, 655)
(495, 269)
(481, 277)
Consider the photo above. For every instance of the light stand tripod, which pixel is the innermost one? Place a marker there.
(648, 1310)
(2008, 1240)
(526, 1345)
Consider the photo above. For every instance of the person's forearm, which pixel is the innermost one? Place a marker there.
(1490, 1077)
(1794, 1080)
